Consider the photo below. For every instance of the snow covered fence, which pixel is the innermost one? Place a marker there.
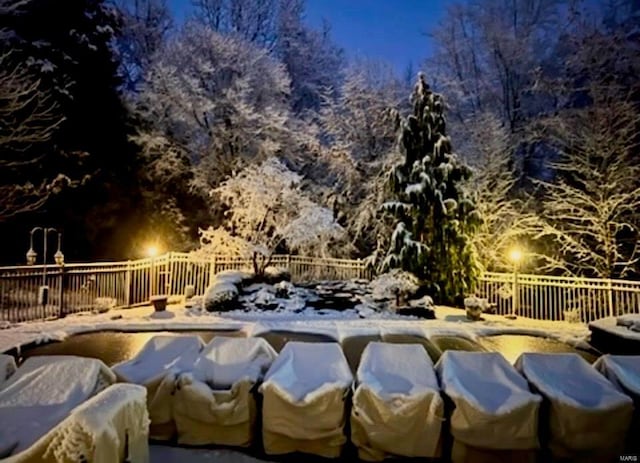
(85, 287)
(579, 300)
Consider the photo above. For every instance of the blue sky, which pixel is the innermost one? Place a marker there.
(392, 30)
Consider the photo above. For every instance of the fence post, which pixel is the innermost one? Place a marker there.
(610, 297)
(127, 285)
(61, 311)
(212, 270)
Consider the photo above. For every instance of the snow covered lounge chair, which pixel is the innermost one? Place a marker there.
(495, 416)
(156, 367)
(397, 407)
(304, 395)
(587, 417)
(7, 367)
(42, 393)
(215, 404)
(111, 427)
(623, 371)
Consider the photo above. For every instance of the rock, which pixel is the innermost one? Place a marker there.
(221, 297)
(420, 312)
(284, 289)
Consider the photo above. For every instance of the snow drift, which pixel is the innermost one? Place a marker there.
(580, 402)
(215, 404)
(494, 409)
(42, 393)
(397, 407)
(157, 367)
(304, 400)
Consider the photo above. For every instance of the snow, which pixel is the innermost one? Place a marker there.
(7, 367)
(159, 355)
(625, 330)
(397, 369)
(304, 371)
(227, 360)
(623, 371)
(484, 379)
(558, 376)
(42, 393)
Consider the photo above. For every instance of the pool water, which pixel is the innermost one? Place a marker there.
(114, 347)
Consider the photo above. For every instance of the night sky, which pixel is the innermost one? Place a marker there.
(391, 30)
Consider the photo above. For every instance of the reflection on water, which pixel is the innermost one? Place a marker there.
(455, 343)
(111, 347)
(512, 345)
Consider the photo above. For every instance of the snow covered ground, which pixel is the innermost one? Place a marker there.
(338, 324)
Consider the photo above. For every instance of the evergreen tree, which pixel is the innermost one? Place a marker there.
(436, 214)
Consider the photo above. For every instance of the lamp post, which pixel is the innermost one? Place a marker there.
(32, 256)
(515, 256)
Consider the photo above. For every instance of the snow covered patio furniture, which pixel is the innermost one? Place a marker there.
(586, 418)
(7, 367)
(42, 393)
(304, 406)
(111, 427)
(623, 371)
(397, 407)
(157, 367)
(215, 404)
(495, 415)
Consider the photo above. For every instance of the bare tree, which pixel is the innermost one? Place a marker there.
(28, 117)
(591, 209)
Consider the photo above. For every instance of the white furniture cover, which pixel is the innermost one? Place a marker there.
(623, 371)
(397, 407)
(215, 403)
(304, 395)
(42, 392)
(494, 408)
(586, 413)
(7, 367)
(111, 427)
(157, 367)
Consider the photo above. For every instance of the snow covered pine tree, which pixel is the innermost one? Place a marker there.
(436, 214)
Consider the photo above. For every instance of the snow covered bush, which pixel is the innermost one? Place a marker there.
(103, 304)
(396, 284)
(221, 296)
(267, 210)
(436, 214)
(475, 307)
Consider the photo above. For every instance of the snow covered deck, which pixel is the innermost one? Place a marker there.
(338, 325)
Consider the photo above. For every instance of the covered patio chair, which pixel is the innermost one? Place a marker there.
(586, 418)
(495, 415)
(215, 403)
(623, 371)
(110, 427)
(156, 367)
(42, 393)
(397, 407)
(304, 400)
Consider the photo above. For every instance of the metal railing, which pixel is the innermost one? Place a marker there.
(85, 287)
(560, 298)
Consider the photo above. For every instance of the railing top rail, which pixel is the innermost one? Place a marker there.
(527, 276)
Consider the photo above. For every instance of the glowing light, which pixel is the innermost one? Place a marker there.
(152, 250)
(516, 255)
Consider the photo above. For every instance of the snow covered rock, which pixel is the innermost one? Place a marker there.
(494, 408)
(214, 404)
(397, 407)
(156, 367)
(304, 406)
(42, 393)
(475, 307)
(580, 401)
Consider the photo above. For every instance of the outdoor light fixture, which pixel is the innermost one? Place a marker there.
(152, 250)
(515, 255)
(31, 256)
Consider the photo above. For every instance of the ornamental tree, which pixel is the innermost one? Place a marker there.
(267, 210)
(436, 214)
